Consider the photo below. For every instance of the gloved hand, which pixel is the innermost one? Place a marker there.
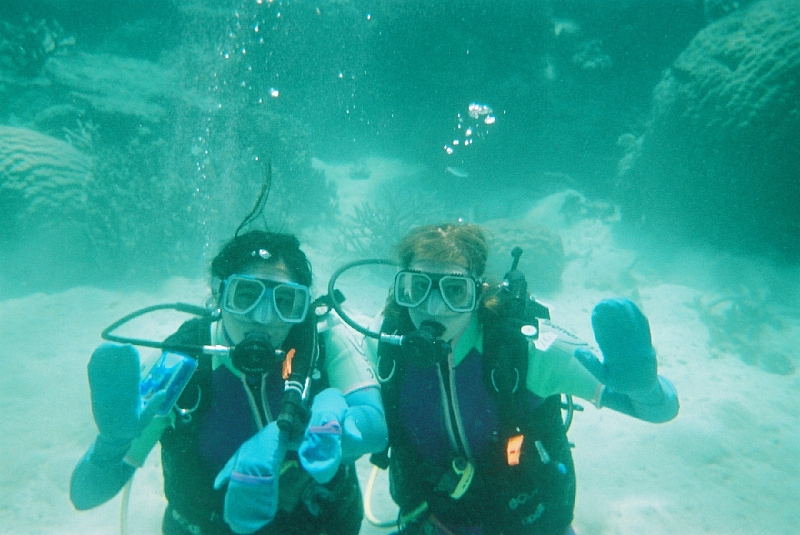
(252, 475)
(629, 368)
(321, 450)
(118, 408)
(623, 334)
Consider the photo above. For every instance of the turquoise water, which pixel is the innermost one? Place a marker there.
(173, 102)
(637, 148)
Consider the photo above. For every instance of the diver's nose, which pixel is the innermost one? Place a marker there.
(263, 313)
(435, 305)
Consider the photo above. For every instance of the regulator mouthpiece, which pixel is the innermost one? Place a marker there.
(255, 355)
(423, 347)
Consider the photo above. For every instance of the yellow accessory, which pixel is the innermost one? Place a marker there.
(513, 449)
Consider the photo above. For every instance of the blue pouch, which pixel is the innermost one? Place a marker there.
(170, 374)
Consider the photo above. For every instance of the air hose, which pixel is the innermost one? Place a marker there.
(373, 476)
(123, 510)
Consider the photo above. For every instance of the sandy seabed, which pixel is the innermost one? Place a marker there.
(728, 464)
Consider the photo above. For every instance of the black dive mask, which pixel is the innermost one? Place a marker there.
(423, 348)
(255, 354)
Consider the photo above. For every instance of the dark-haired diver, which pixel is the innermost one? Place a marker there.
(229, 467)
(472, 385)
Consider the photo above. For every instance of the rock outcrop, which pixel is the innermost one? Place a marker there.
(719, 161)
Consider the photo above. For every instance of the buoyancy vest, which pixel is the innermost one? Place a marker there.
(536, 496)
(189, 476)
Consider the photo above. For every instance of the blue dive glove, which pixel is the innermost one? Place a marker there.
(121, 415)
(321, 450)
(629, 367)
(252, 475)
(623, 334)
(117, 405)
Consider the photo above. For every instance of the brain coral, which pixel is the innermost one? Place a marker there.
(43, 181)
(718, 163)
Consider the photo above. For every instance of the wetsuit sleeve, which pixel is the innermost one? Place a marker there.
(365, 415)
(109, 464)
(552, 368)
(370, 345)
(100, 474)
(346, 360)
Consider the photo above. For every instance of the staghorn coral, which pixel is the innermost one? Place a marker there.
(373, 231)
(375, 228)
(718, 162)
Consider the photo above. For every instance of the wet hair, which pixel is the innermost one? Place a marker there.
(459, 244)
(261, 246)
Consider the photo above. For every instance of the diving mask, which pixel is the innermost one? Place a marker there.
(459, 292)
(246, 295)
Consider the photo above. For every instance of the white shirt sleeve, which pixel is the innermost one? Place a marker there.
(346, 360)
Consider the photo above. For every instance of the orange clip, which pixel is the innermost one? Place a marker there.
(513, 449)
(287, 364)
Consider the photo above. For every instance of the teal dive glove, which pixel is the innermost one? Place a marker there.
(117, 405)
(629, 367)
(252, 475)
(321, 450)
(623, 334)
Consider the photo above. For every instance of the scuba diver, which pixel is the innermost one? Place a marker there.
(264, 436)
(471, 379)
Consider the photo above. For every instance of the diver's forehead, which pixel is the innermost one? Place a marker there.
(437, 266)
(273, 271)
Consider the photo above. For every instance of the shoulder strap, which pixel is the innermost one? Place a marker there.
(319, 375)
(505, 369)
(196, 397)
(389, 369)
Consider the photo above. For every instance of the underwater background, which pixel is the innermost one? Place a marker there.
(641, 148)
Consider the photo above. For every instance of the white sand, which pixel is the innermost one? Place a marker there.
(727, 465)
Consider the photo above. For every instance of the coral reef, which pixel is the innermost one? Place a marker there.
(132, 88)
(543, 257)
(25, 48)
(169, 157)
(585, 228)
(376, 227)
(746, 326)
(147, 220)
(715, 9)
(718, 162)
(45, 210)
(43, 181)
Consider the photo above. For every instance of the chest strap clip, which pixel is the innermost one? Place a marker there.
(457, 480)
